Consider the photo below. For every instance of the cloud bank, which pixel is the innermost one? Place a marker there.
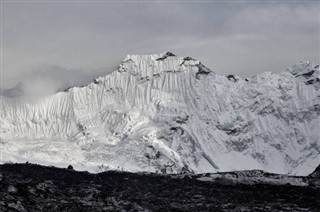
(60, 43)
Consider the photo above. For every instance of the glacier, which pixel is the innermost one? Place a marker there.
(170, 114)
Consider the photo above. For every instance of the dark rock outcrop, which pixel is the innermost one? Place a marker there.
(167, 54)
(202, 71)
(231, 77)
(316, 173)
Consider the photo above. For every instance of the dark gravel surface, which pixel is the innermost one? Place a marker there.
(26, 187)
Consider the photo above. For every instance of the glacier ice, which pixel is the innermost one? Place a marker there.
(171, 114)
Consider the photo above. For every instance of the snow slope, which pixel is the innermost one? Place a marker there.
(163, 113)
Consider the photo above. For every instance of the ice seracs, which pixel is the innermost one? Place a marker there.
(169, 114)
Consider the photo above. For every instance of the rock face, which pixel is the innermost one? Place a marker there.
(169, 114)
(316, 173)
(314, 177)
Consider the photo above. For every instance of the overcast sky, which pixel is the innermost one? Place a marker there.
(82, 40)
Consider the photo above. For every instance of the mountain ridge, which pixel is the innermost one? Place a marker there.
(163, 113)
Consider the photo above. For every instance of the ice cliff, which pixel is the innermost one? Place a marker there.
(164, 113)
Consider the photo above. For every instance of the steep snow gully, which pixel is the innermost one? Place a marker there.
(170, 114)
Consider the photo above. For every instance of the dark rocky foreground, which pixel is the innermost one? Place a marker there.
(27, 187)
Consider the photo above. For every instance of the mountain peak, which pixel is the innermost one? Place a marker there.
(150, 56)
(304, 68)
(170, 114)
(165, 62)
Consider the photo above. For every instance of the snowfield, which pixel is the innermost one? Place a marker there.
(170, 114)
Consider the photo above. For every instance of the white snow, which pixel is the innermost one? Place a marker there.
(171, 115)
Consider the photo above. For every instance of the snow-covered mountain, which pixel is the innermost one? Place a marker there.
(171, 114)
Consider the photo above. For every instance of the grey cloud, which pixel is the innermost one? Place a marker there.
(49, 79)
(243, 38)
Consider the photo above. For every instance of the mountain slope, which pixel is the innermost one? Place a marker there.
(172, 114)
